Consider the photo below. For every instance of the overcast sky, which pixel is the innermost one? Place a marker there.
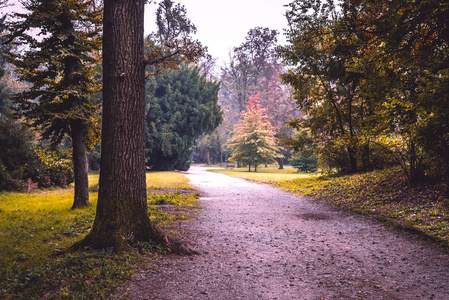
(222, 25)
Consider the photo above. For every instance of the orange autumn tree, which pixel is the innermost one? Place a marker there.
(253, 139)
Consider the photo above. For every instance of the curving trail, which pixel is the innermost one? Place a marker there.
(257, 242)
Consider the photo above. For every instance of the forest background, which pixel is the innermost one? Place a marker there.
(350, 88)
(362, 86)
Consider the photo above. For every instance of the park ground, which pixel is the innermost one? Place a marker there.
(255, 241)
(34, 224)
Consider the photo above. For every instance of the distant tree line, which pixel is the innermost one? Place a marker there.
(253, 68)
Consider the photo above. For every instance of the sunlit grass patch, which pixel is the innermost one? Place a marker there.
(165, 208)
(33, 225)
(167, 180)
(176, 198)
(266, 175)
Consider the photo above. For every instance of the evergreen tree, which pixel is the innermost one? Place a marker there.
(181, 106)
(58, 63)
(304, 162)
(253, 141)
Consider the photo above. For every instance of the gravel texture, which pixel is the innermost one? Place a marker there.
(257, 242)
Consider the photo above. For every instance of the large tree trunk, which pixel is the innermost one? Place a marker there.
(122, 199)
(79, 165)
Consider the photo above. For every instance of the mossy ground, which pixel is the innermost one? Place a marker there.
(33, 225)
(385, 195)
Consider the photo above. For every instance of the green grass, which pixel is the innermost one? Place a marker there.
(33, 225)
(422, 210)
(167, 180)
(266, 175)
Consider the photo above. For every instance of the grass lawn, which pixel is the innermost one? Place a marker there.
(267, 175)
(33, 225)
(384, 195)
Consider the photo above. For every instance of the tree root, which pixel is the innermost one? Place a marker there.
(177, 247)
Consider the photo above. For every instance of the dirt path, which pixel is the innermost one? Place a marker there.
(256, 242)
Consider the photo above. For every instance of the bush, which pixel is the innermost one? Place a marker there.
(57, 167)
(18, 161)
(304, 163)
(23, 166)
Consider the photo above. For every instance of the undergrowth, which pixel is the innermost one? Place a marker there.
(34, 225)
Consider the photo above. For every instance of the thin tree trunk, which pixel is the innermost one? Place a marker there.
(366, 162)
(80, 165)
(352, 159)
(281, 163)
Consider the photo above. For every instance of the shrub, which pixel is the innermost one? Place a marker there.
(57, 167)
(304, 163)
(18, 161)
(24, 166)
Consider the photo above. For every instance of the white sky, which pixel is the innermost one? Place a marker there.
(223, 24)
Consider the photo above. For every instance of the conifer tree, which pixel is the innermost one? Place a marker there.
(181, 106)
(62, 40)
(253, 141)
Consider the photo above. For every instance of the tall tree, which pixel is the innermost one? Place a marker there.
(181, 106)
(122, 212)
(411, 40)
(253, 141)
(255, 67)
(372, 72)
(122, 207)
(58, 63)
(325, 89)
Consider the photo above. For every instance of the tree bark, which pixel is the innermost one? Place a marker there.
(352, 160)
(80, 167)
(281, 163)
(207, 156)
(122, 214)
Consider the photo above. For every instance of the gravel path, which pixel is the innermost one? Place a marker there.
(257, 242)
